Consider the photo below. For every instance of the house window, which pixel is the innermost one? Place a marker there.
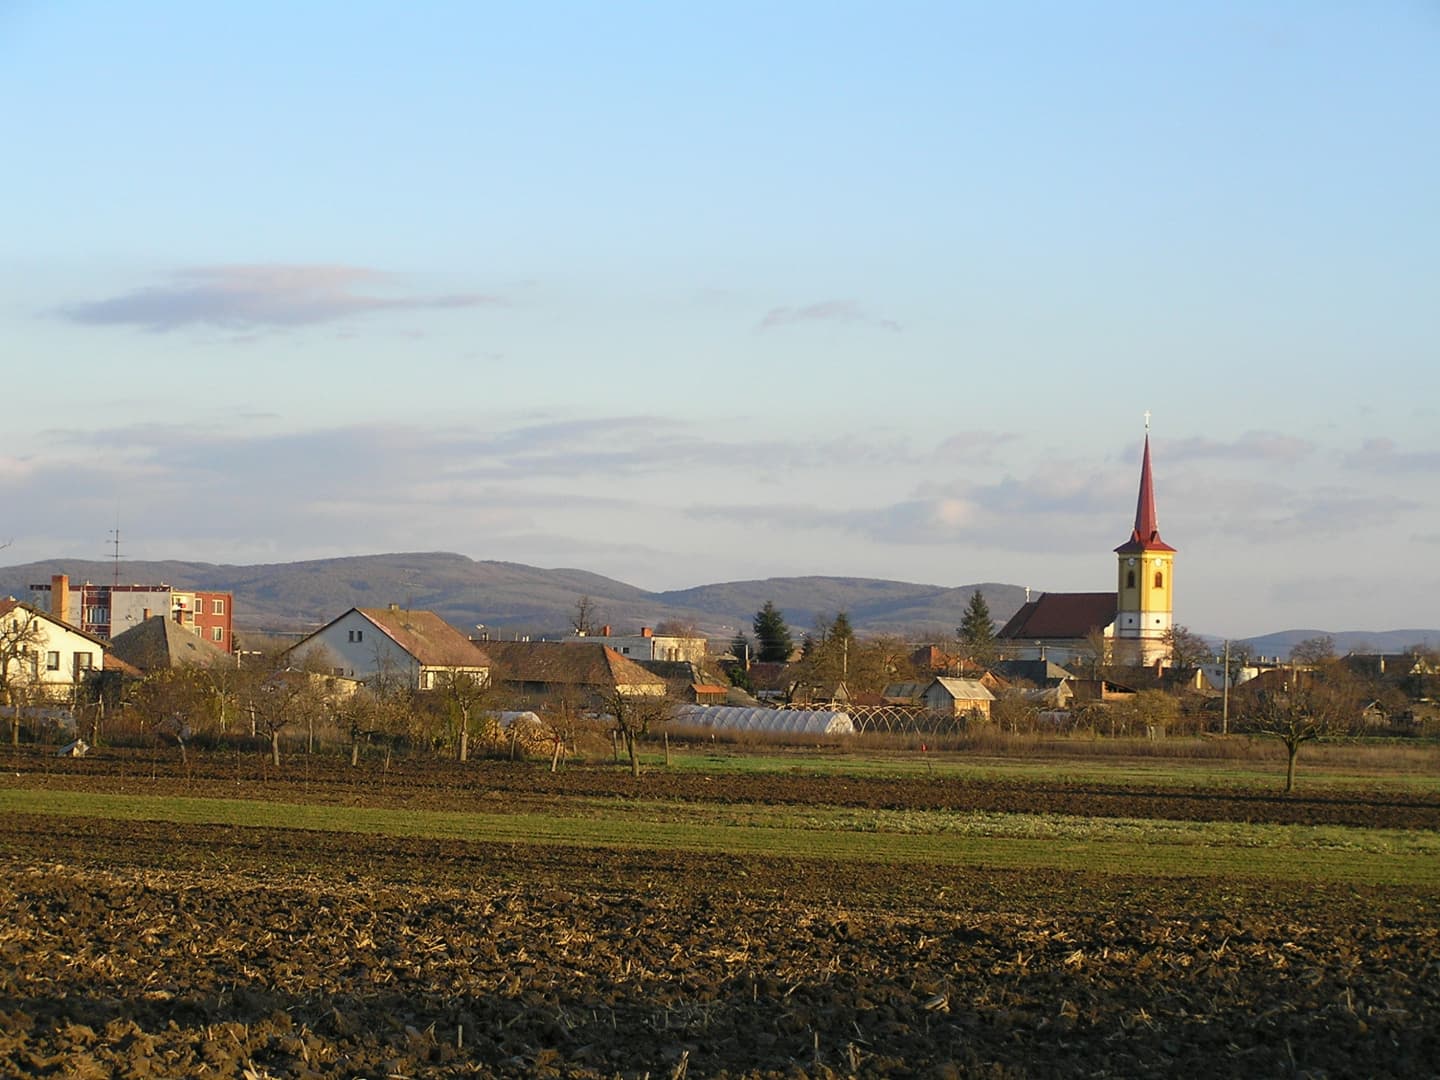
(357, 635)
(217, 633)
(427, 681)
(84, 661)
(217, 607)
(1159, 580)
(52, 661)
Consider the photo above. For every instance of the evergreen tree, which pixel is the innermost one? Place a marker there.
(772, 634)
(977, 630)
(840, 631)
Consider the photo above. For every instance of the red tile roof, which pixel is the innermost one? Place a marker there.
(1061, 615)
(428, 638)
(568, 664)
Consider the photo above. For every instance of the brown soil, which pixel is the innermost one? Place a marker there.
(158, 950)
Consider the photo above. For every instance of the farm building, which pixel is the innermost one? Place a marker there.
(958, 697)
(772, 721)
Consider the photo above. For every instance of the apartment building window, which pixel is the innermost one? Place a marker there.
(52, 661)
(217, 633)
(217, 607)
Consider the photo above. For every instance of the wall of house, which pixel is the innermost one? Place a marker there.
(359, 650)
(58, 655)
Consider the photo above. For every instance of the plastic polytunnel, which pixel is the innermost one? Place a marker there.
(778, 721)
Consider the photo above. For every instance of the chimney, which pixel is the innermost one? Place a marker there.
(59, 595)
(645, 631)
(605, 630)
(393, 607)
(145, 615)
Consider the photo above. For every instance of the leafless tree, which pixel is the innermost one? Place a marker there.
(1307, 706)
(462, 694)
(21, 636)
(1315, 650)
(633, 716)
(1187, 649)
(583, 619)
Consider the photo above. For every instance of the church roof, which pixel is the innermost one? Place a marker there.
(1145, 536)
(1061, 615)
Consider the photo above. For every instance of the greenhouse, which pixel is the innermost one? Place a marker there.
(771, 721)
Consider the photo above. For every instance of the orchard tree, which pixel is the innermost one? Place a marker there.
(776, 644)
(977, 631)
(1307, 706)
(634, 715)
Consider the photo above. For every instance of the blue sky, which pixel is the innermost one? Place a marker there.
(688, 293)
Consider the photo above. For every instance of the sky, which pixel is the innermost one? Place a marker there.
(688, 293)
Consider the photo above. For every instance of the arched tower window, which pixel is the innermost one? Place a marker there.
(1159, 579)
(1130, 579)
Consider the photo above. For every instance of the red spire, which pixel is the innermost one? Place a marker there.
(1145, 536)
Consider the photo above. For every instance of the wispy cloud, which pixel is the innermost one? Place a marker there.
(829, 311)
(251, 297)
(1260, 446)
(1382, 456)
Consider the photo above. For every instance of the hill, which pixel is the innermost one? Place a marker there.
(511, 598)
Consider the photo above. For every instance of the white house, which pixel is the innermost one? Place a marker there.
(413, 649)
(38, 651)
(647, 645)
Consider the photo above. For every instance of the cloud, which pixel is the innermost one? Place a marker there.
(250, 297)
(1381, 456)
(1266, 446)
(831, 311)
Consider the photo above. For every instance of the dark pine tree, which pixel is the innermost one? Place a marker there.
(773, 635)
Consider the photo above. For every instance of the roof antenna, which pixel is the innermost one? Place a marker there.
(115, 543)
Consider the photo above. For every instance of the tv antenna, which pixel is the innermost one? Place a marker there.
(114, 544)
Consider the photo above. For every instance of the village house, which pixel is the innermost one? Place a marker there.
(584, 673)
(43, 655)
(392, 648)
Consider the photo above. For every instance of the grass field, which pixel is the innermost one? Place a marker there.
(1128, 846)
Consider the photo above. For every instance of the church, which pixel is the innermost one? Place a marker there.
(1131, 623)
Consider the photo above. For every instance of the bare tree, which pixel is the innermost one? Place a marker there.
(1315, 650)
(583, 619)
(21, 635)
(462, 694)
(1188, 650)
(633, 716)
(1306, 707)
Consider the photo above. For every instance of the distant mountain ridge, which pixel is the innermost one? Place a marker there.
(512, 598)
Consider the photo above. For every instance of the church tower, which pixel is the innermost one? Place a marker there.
(1144, 608)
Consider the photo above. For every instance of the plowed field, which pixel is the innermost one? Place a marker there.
(150, 949)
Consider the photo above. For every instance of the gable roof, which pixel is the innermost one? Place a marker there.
(1039, 672)
(963, 689)
(10, 604)
(159, 643)
(428, 638)
(1061, 615)
(568, 664)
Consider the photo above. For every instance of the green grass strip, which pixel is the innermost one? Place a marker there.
(1122, 851)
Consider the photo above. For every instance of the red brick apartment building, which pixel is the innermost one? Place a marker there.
(108, 610)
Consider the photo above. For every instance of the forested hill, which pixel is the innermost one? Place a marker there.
(514, 598)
